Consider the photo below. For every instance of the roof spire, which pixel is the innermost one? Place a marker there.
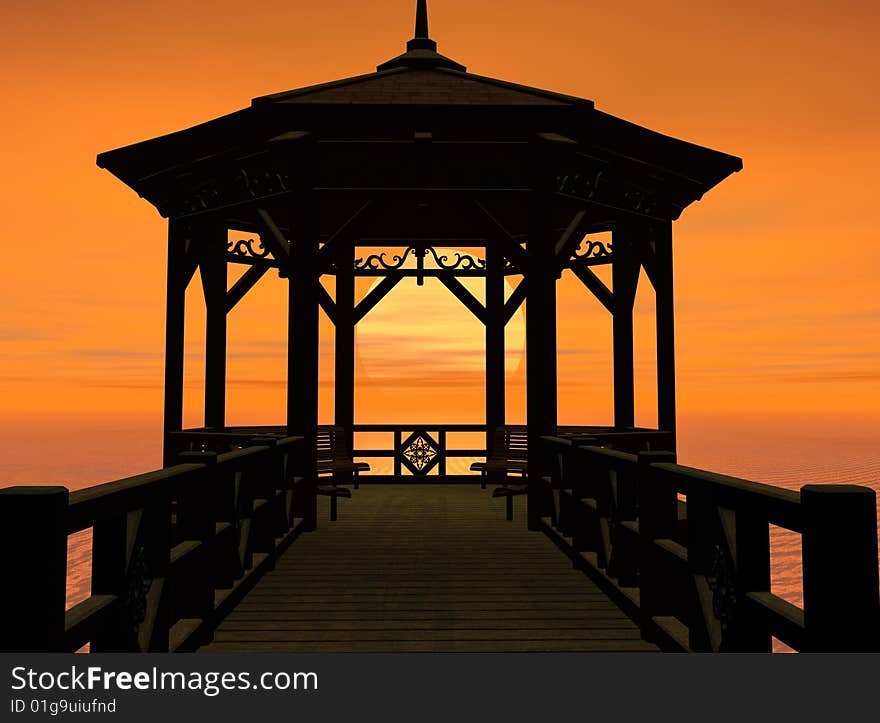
(421, 40)
(421, 19)
(421, 51)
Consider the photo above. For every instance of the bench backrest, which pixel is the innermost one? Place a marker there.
(511, 444)
(331, 445)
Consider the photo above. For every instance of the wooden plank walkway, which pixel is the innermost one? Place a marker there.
(425, 568)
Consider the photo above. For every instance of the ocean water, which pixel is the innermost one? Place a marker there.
(789, 453)
(784, 451)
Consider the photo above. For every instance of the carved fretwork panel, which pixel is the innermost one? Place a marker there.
(590, 180)
(712, 557)
(420, 453)
(253, 180)
(441, 261)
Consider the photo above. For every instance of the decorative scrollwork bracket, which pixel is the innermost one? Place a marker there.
(442, 262)
(247, 249)
(590, 250)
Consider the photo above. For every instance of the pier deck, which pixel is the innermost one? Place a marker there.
(425, 568)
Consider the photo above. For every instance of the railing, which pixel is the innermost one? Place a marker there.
(687, 552)
(172, 550)
(417, 450)
(434, 449)
(218, 441)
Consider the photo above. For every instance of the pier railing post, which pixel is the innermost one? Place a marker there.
(196, 521)
(572, 474)
(658, 519)
(839, 538)
(586, 528)
(131, 561)
(33, 535)
(748, 632)
(272, 473)
(626, 545)
(289, 469)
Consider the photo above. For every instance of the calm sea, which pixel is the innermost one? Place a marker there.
(785, 451)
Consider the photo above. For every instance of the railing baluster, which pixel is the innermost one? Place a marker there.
(270, 487)
(196, 522)
(704, 631)
(658, 519)
(626, 555)
(245, 513)
(109, 567)
(398, 443)
(588, 472)
(157, 541)
(749, 632)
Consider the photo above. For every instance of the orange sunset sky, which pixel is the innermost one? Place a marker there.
(777, 303)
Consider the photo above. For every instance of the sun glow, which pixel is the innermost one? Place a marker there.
(422, 338)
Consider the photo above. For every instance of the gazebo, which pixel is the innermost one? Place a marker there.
(420, 155)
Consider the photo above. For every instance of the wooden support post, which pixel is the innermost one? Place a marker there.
(177, 281)
(214, 282)
(345, 341)
(625, 276)
(839, 537)
(495, 325)
(541, 389)
(302, 361)
(33, 537)
(665, 329)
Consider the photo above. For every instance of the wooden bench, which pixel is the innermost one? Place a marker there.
(335, 459)
(507, 456)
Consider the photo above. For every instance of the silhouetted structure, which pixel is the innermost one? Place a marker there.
(418, 155)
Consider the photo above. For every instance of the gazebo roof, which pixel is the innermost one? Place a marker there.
(417, 92)
(423, 85)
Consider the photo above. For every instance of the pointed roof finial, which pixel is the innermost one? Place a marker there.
(421, 19)
(421, 51)
(421, 40)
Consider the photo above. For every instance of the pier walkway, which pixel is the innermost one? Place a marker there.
(613, 551)
(424, 568)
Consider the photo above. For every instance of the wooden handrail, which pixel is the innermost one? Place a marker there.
(88, 506)
(172, 550)
(695, 572)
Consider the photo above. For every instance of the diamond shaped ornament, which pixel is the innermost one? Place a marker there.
(420, 453)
